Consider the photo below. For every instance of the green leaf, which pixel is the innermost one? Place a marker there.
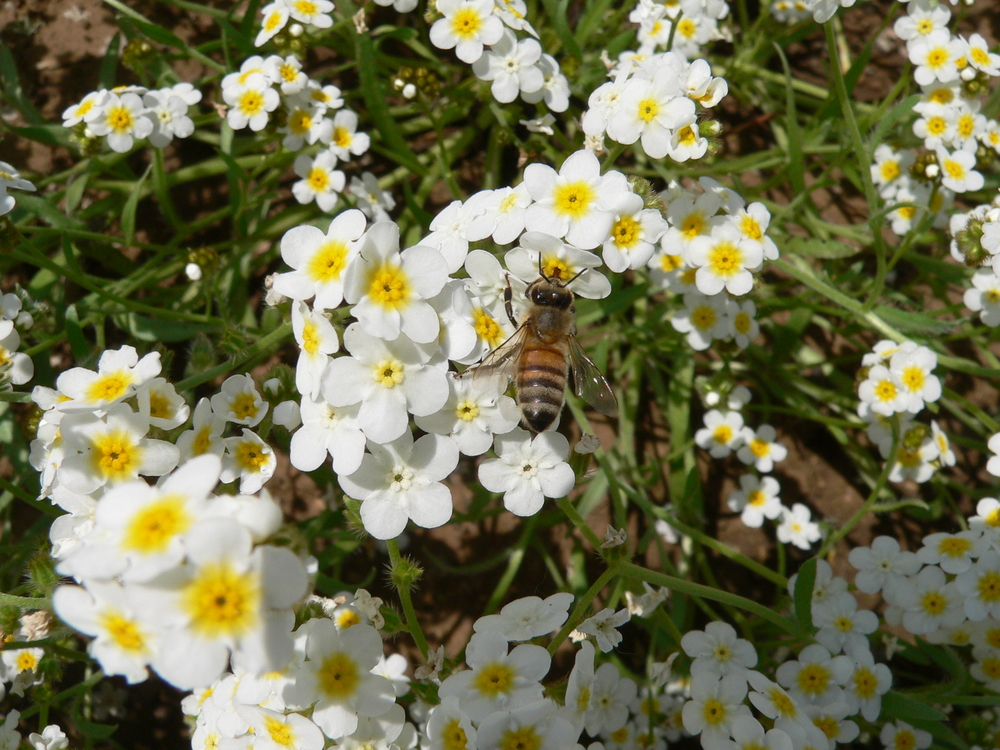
(78, 343)
(74, 192)
(128, 212)
(150, 329)
(94, 731)
(109, 65)
(903, 707)
(805, 582)
(816, 248)
(51, 135)
(893, 116)
(47, 212)
(157, 33)
(907, 321)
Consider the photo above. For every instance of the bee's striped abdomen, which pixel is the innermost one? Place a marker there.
(541, 385)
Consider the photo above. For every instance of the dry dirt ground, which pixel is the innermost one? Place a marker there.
(58, 46)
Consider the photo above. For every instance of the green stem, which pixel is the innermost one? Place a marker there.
(26, 602)
(262, 346)
(579, 522)
(582, 607)
(409, 613)
(714, 544)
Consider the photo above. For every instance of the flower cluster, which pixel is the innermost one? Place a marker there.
(262, 85)
(712, 246)
(812, 696)
(127, 114)
(897, 381)
(292, 14)
(976, 243)
(948, 591)
(954, 73)
(654, 100)
(178, 579)
(691, 24)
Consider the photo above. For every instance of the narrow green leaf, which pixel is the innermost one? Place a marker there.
(805, 582)
(75, 190)
(51, 135)
(150, 329)
(903, 707)
(907, 321)
(94, 731)
(109, 65)
(894, 115)
(796, 160)
(44, 210)
(816, 248)
(78, 343)
(11, 85)
(128, 212)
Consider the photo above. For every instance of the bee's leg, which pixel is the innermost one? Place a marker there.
(508, 302)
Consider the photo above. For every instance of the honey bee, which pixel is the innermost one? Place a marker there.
(543, 353)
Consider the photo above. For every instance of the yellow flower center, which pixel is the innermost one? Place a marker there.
(299, 122)
(725, 259)
(319, 179)
(885, 390)
(966, 125)
(347, 618)
(466, 24)
(814, 679)
(342, 136)
(942, 96)
(955, 170)
(494, 680)
(756, 498)
(251, 103)
(250, 456)
(125, 633)
(453, 736)
(310, 338)
(574, 199)
(714, 713)
(954, 546)
(829, 725)
(686, 136)
(338, 676)
(288, 72)
(722, 434)
(26, 660)
(279, 732)
(890, 170)
(202, 441)
(116, 457)
(925, 26)
(760, 448)
(272, 22)
(522, 738)
(109, 387)
(785, 705)
(555, 267)
(222, 602)
(865, 683)
(627, 232)
(305, 7)
(750, 228)
(388, 373)
(670, 263)
(159, 406)
(648, 109)
(936, 57)
(120, 119)
(693, 225)
(245, 406)
(989, 587)
(152, 529)
(703, 317)
(979, 56)
(328, 262)
(991, 667)
(467, 410)
(487, 329)
(933, 603)
(389, 287)
(687, 28)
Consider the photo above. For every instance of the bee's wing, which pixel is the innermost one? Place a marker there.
(588, 383)
(500, 365)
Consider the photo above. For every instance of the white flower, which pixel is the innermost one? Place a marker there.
(883, 562)
(119, 373)
(536, 725)
(957, 171)
(314, 12)
(775, 703)
(899, 734)
(472, 416)
(320, 181)
(327, 430)
(984, 296)
(76, 113)
(868, 683)
(287, 73)
(273, 730)
(575, 203)
(275, 18)
(317, 340)
(981, 587)
(449, 233)
(111, 451)
(371, 198)
(724, 260)
(337, 677)
(250, 102)
(722, 433)
(527, 618)
(401, 481)
(953, 552)
(121, 119)
(388, 379)
(633, 234)
(936, 56)
(346, 141)
(249, 458)
(496, 680)
(51, 738)
(651, 110)
(169, 115)
(158, 400)
(449, 728)
(704, 319)
(555, 258)
(306, 124)
(389, 289)
(320, 260)
(466, 26)
(929, 603)
(528, 470)
(512, 66)
(122, 643)
(603, 626)
(205, 435)
(756, 500)
(882, 392)
(842, 626)
(760, 449)
(239, 402)
(816, 677)
(797, 527)
(912, 366)
(714, 705)
(718, 652)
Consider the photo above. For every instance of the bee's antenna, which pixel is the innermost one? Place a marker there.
(540, 271)
(575, 277)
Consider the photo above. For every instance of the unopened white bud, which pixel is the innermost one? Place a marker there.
(193, 271)
(286, 414)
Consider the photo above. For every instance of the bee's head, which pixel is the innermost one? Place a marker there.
(549, 292)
